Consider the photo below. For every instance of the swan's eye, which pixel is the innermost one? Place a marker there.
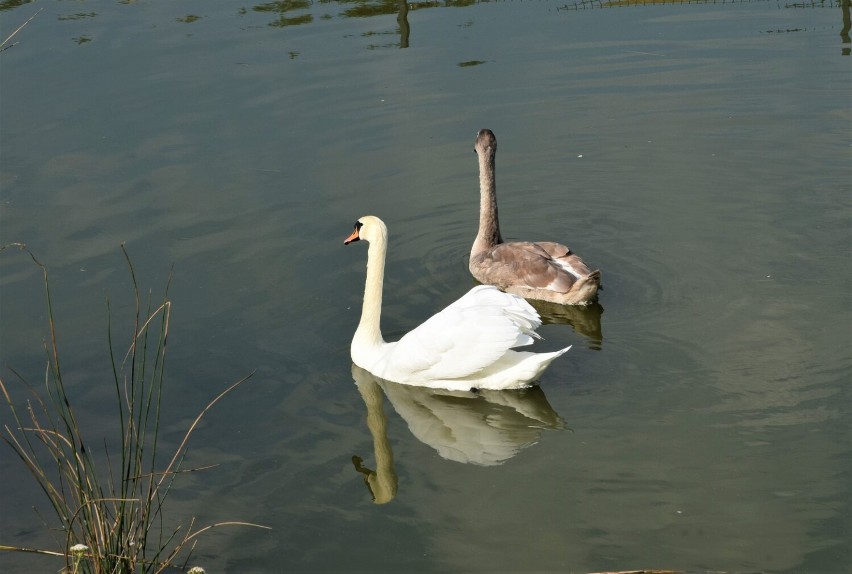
(358, 226)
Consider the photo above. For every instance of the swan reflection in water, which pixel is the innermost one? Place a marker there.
(485, 428)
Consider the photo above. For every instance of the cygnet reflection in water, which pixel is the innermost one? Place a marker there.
(584, 319)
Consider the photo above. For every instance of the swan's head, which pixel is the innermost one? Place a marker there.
(486, 143)
(369, 228)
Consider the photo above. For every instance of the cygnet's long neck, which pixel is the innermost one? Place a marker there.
(489, 224)
(369, 332)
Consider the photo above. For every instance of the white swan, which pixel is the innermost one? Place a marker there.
(467, 345)
(543, 270)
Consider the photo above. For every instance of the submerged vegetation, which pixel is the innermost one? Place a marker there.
(110, 508)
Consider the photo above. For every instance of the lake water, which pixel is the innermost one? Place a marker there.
(697, 153)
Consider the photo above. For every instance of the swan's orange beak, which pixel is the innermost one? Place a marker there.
(351, 238)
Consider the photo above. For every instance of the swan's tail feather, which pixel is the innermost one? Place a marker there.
(538, 362)
(586, 289)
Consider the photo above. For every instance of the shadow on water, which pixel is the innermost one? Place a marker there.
(486, 428)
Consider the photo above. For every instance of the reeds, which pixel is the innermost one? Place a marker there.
(110, 508)
(6, 43)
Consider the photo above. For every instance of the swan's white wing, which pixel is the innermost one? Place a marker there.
(467, 336)
(523, 316)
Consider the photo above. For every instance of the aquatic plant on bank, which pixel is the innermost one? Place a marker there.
(110, 509)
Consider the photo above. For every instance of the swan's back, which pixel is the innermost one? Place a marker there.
(523, 265)
(470, 343)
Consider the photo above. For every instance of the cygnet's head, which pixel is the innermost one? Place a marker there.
(486, 144)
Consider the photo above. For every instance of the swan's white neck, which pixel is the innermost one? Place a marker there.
(369, 334)
(489, 224)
